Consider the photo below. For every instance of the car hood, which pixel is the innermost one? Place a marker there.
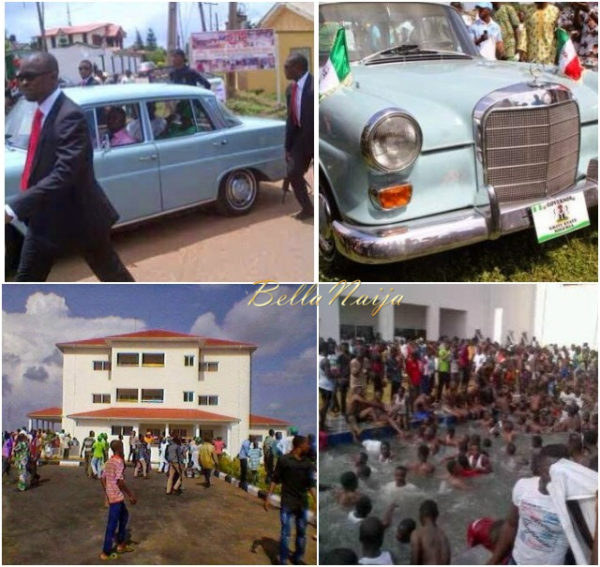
(441, 95)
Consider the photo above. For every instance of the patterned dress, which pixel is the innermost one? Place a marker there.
(507, 19)
(21, 454)
(588, 46)
(541, 38)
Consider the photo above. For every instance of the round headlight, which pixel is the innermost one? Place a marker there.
(391, 141)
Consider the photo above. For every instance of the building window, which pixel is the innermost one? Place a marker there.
(121, 430)
(152, 395)
(206, 433)
(188, 396)
(257, 438)
(127, 395)
(188, 360)
(101, 365)
(153, 359)
(128, 359)
(208, 400)
(181, 433)
(101, 398)
(209, 366)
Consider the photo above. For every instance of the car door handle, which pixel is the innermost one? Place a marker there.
(223, 142)
(151, 157)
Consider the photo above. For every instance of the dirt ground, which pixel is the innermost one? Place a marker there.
(63, 520)
(202, 245)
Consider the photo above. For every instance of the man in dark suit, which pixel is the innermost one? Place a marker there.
(60, 200)
(183, 74)
(299, 129)
(87, 75)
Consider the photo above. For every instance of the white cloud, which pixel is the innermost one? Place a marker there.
(32, 371)
(271, 328)
(296, 371)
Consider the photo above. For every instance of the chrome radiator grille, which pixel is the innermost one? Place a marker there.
(531, 152)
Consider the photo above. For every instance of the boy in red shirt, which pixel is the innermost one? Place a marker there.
(115, 489)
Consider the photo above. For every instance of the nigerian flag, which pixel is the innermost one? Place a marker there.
(568, 62)
(337, 69)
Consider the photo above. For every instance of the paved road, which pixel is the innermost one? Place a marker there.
(203, 246)
(62, 521)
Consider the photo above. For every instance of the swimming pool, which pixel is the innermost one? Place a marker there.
(489, 495)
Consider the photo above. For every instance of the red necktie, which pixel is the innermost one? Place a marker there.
(34, 138)
(294, 111)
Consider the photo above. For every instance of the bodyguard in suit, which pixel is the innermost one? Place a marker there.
(60, 200)
(299, 130)
(86, 72)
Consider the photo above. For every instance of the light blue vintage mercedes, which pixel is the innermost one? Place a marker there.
(160, 148)
(432, 147)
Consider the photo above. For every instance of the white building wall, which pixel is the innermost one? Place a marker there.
(231, 383)
(478, 301)
(567, 313)
(69, 57)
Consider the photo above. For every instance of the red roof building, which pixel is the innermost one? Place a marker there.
(160, 381)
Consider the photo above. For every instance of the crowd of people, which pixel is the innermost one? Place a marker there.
(423, 391)
(289, 461)
(91, 75)
(527, 32)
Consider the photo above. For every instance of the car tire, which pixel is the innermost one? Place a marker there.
(330, 260)
(238, 192)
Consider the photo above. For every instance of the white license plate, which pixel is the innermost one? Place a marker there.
(559, 216)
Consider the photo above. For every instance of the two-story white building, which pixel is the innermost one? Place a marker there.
(158, 381)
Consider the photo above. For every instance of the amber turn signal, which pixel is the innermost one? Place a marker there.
(395, 196)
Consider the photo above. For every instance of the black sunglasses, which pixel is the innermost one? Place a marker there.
(31, 76)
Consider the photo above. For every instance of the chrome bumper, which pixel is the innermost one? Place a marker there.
(421, 237)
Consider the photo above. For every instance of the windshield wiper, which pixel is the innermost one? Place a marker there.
(400, 49)
(405, 49)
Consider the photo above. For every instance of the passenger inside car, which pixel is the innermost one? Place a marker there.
(180, 122)
(117, 131)
(157, 124)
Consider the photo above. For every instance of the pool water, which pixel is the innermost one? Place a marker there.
(489, 495)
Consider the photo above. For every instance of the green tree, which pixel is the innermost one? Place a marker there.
(139, 43)
(150, 40)
(158, 56)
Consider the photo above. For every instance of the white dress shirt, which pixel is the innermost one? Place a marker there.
(298, 101)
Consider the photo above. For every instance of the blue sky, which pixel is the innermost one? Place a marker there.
(21, 17)
(36, 317)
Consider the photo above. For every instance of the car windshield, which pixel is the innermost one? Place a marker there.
(18, 123)
(375, 27)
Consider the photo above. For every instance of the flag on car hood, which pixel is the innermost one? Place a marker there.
(336, 71)
(568, 62)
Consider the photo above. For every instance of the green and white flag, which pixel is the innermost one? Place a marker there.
(568, 62)
(336, 71)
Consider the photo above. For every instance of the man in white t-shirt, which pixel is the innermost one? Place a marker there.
(486, 33)
(533, 530)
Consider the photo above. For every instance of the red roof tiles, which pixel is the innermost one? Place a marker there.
(156, 334)
(111, 30)
(46, 412)
(263, 420)
(165, 414)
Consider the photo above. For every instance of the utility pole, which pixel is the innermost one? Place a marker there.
(69, 15)
(202, 16)
(172, 27)
(217, 21)
(232, 24)
(40, 11)
(210, 15)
